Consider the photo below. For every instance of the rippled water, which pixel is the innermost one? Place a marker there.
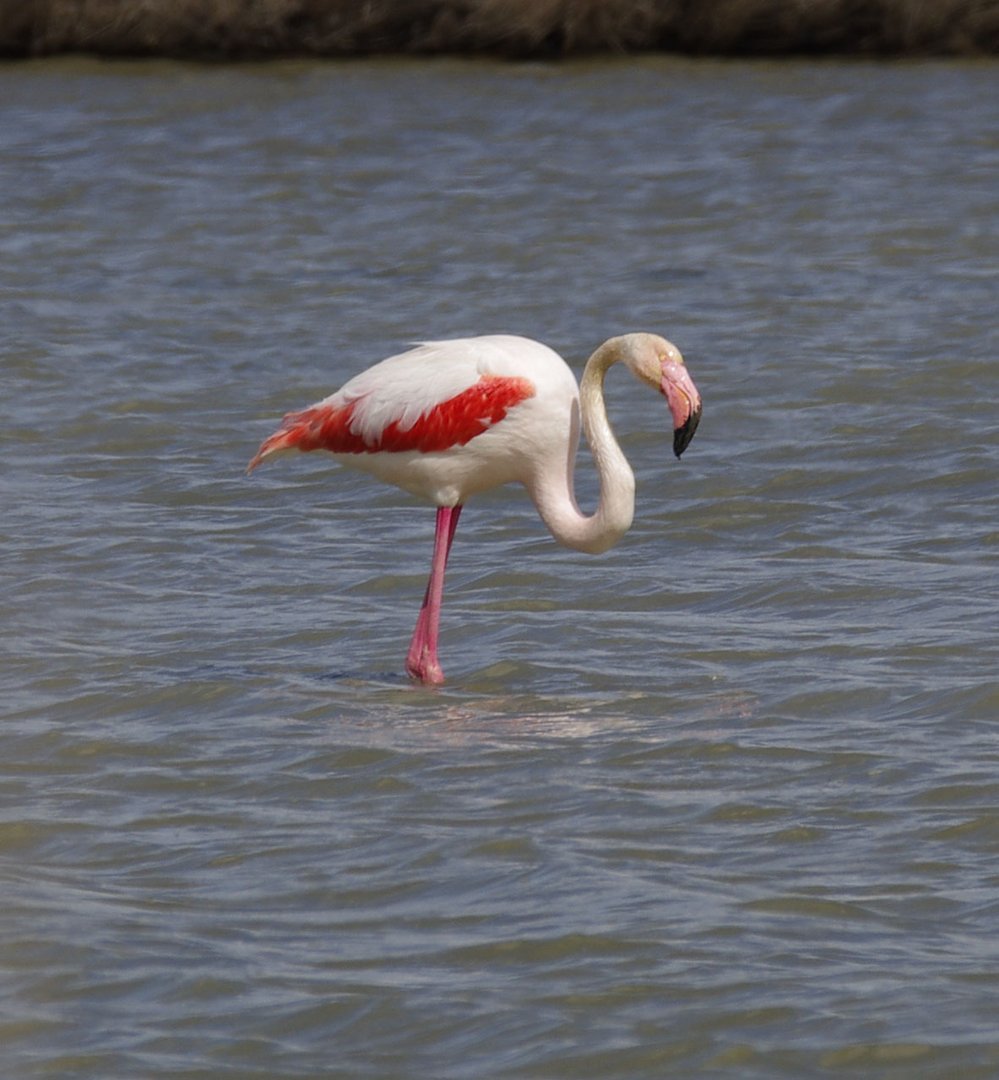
(723, 801)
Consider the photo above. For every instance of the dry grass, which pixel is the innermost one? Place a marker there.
(512, 28)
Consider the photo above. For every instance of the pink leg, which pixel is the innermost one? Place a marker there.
(421, 661)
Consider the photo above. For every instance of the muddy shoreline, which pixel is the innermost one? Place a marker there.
(513, 29)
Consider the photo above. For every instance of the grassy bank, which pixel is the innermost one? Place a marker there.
(236, 29)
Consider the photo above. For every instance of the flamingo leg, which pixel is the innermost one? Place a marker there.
(421, 661)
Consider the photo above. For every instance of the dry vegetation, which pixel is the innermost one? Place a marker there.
(512, 28)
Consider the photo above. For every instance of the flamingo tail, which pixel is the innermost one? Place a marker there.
(298, 431)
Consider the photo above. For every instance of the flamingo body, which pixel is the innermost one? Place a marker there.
(446, 420)
(449, 419)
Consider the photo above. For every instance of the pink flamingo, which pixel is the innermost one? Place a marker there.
(449, 419)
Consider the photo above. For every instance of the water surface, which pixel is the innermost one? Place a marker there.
(722, 801)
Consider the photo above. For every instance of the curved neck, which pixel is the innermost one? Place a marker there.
(553, 490)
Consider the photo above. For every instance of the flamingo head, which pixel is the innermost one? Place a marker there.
(659, 363)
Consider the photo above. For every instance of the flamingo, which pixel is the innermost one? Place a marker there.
(449, 419)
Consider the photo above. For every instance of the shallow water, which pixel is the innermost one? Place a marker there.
(724, 800)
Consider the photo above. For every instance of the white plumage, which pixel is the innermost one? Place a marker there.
(448, 419)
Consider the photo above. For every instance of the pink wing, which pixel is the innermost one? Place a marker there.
(334, 424)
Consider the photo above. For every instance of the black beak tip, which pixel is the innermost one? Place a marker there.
(683, 435)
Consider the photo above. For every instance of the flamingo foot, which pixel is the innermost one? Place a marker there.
(426, 669)
(421, 660)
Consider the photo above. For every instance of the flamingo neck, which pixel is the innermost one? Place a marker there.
(554, 491)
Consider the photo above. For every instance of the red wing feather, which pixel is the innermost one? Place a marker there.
(459, 419)
(454, 422)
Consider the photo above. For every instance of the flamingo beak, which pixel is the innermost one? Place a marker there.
(683, 435)
(684, 402)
